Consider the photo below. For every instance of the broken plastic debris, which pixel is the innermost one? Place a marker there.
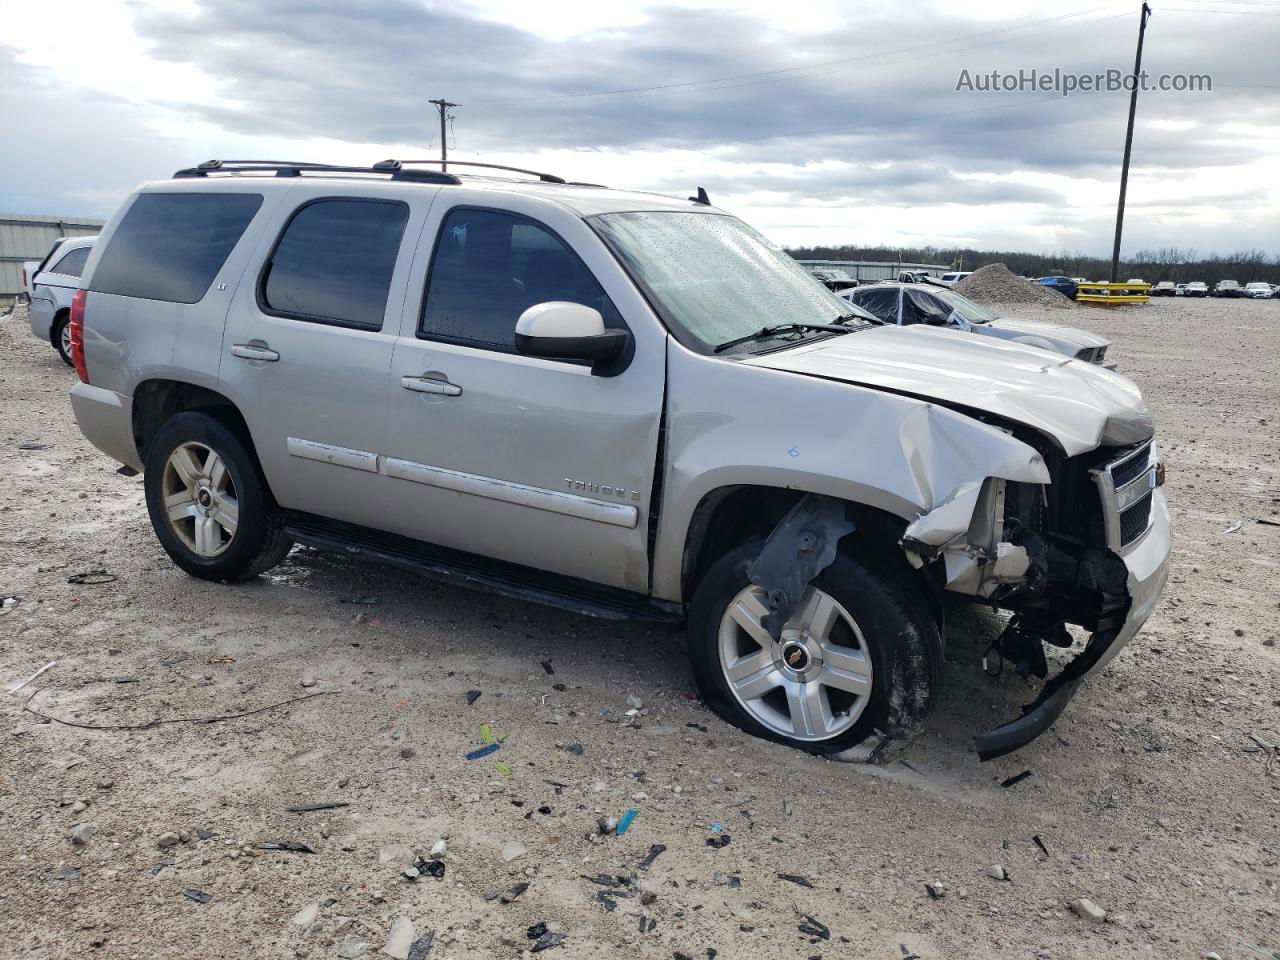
(546, 665)
(311, 808)
(502, 768)
(483, 751)
(654, 852)
(512, 894)
(534, 932)
(291, 846)
(486, 734)
(717, 826)
(624, 822)
(91, 577)
(815, 928)
(419, 949)
(472, 696)
(548, 940)
(796, 879)
(718, 842)
(199, 896)
(14, 688)
(1015, 779)
(574, 748)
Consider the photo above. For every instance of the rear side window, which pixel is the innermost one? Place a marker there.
(334, 261)
(72, 265)
(920, 307)
(489, 267)
(882, 303)
(170, 246)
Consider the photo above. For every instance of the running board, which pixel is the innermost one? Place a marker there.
(479, 573)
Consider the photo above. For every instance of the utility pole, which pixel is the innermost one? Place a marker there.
(1128, 145)
(444, 105)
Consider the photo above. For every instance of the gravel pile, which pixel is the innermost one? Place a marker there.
(996, 283)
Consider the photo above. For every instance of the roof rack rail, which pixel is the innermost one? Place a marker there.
(544, 177)
(295, 168)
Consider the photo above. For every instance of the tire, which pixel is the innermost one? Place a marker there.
(229, 527)
(58, 336)
(891, 627)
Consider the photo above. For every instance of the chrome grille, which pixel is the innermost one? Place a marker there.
(1135, 520)
(1126, 485)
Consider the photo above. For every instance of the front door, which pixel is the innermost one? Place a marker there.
(534, 461)
(308, 343)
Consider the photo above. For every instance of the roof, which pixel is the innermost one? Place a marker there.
(390, 176)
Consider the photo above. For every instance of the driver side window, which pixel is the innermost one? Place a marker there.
(489, 267)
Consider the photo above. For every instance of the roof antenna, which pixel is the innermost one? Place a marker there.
(702, 197)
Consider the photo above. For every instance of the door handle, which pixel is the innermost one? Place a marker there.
(431, 385)
(254, 351)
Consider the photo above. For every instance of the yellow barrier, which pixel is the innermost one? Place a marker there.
(1113, 294)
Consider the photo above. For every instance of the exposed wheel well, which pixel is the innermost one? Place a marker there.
(155, 401)
(730, 515)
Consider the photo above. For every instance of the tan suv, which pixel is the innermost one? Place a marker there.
(621, 404)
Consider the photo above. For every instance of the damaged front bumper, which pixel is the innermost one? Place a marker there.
(1147, 566)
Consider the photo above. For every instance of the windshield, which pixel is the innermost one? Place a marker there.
(712, 279)
(967, 309)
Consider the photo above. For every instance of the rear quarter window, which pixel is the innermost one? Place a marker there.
(170, 246)
(72, 265)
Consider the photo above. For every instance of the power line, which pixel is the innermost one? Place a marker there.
(786, 73)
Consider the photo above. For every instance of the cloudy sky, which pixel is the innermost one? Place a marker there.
(822, 122)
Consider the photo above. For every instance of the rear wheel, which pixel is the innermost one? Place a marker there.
(860, 655)
(62, 339)
(209, 506)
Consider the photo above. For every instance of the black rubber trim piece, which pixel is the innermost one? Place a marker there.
(480, 573)
(1018, 733)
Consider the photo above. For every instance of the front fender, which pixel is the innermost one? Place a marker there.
(734, 424)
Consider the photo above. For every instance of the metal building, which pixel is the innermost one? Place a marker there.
(25, 236)
(869, 271)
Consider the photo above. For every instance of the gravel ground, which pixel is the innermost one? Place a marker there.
(1149, 796)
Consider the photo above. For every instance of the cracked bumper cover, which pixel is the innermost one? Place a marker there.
(1147, 563)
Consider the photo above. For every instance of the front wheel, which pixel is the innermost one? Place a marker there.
(860, 656)
(209, 506)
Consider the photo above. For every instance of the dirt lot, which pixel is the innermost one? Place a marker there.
(1149, 796)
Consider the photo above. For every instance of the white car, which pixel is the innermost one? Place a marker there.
(52, 287)
(1258, 291)
(906, 304)
(951, 279)
(1196, 288)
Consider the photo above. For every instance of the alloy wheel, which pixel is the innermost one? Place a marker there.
(200, 501)
(814, 682)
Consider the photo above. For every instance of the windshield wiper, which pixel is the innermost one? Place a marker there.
(764, 333)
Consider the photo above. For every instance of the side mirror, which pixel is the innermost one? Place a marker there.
(568, 331)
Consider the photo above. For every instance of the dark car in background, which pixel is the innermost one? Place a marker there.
(1064, 285)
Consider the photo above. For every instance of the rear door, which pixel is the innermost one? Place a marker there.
(308, 341)
(525, 459)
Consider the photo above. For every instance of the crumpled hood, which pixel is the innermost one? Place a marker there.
(1079, 405)
(1050, 331)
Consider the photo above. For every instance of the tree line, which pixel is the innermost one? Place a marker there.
(1178, 264)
